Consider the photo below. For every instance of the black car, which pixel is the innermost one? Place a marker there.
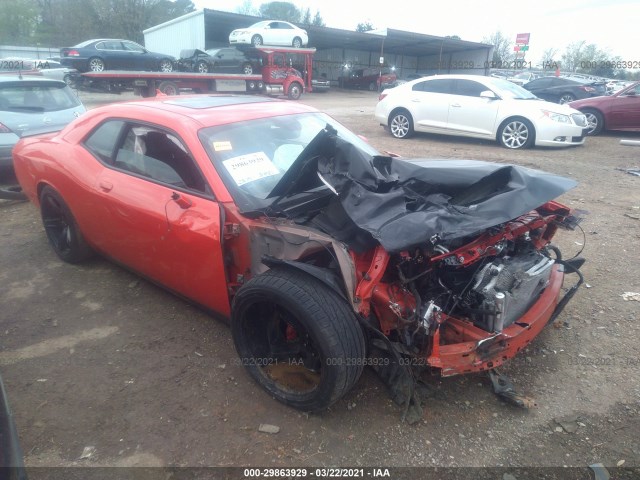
(112, 54)
(564, 90)
(220, 60)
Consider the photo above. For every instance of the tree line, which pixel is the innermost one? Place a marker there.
(68, 22)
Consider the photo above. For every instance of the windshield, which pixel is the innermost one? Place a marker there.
(252, 156)
(507, 89)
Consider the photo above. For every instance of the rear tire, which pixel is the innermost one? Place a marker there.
(247, 69)
(169, 88)
(62, 229)
(595, 121)
(202, 67)
(566, 98)
(96, 64)
(297, 42)
(401, 124)
(297, 338)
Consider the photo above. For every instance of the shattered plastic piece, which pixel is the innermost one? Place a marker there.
(266, 428)
(87, 452)
(620, 463)
(634, 296)
(503, 387)
(600, 471)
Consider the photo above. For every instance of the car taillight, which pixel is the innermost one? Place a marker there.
(4, 129)
(72, 53)
(381, 96)
(588, 89)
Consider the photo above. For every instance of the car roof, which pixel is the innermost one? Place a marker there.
(206, 110)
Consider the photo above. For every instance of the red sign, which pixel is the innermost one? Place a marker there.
(522, 38)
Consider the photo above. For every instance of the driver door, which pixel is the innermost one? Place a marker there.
(157, 213)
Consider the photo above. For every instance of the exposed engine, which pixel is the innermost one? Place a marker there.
(491, 280)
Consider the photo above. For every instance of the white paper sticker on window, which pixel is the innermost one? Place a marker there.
(251, 167)
(222, 146)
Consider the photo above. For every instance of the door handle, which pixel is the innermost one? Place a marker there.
(415, 100)
(457, 105)
(105, 186)
(182, 202)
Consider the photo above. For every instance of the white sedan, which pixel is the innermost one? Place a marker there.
(270, 32)
(479, 107)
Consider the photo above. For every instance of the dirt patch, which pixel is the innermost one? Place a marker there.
(94, 356)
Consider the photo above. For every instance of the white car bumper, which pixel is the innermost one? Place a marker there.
(553, 134)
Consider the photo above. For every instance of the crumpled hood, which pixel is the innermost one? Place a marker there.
(403, 203)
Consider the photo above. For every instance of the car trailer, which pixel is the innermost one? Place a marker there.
(285, 71)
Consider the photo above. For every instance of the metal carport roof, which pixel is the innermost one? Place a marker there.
(219, 25)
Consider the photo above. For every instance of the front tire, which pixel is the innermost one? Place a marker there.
(373, 87)
(516, 133)
(61, 228)
(96, 64)
(247, 69)
(595, 121)
(298, 339)
(297, 42)
(256, 41)
(401, 124)
(295, 91)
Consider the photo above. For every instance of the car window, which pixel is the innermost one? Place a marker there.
(469, 88)
(160, 156)
(43, 97)
(434, 86)
(133, 47)
(103, 140)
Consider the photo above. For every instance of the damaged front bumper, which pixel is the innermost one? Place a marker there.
(460, 347)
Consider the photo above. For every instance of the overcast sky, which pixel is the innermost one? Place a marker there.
(612, 25)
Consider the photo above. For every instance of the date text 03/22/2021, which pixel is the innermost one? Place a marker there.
(316, 472)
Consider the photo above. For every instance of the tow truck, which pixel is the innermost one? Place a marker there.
(285, 72)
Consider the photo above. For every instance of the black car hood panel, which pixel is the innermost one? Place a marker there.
(403, 203)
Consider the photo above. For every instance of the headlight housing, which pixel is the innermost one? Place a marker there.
(557, 117)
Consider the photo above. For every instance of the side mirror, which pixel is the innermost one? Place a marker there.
(488, 94)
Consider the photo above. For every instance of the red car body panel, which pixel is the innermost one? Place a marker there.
(621, 111)
(149, 231)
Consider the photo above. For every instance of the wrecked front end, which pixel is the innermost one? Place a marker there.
(446, 265)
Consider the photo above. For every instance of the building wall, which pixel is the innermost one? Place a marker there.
(189, 29)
